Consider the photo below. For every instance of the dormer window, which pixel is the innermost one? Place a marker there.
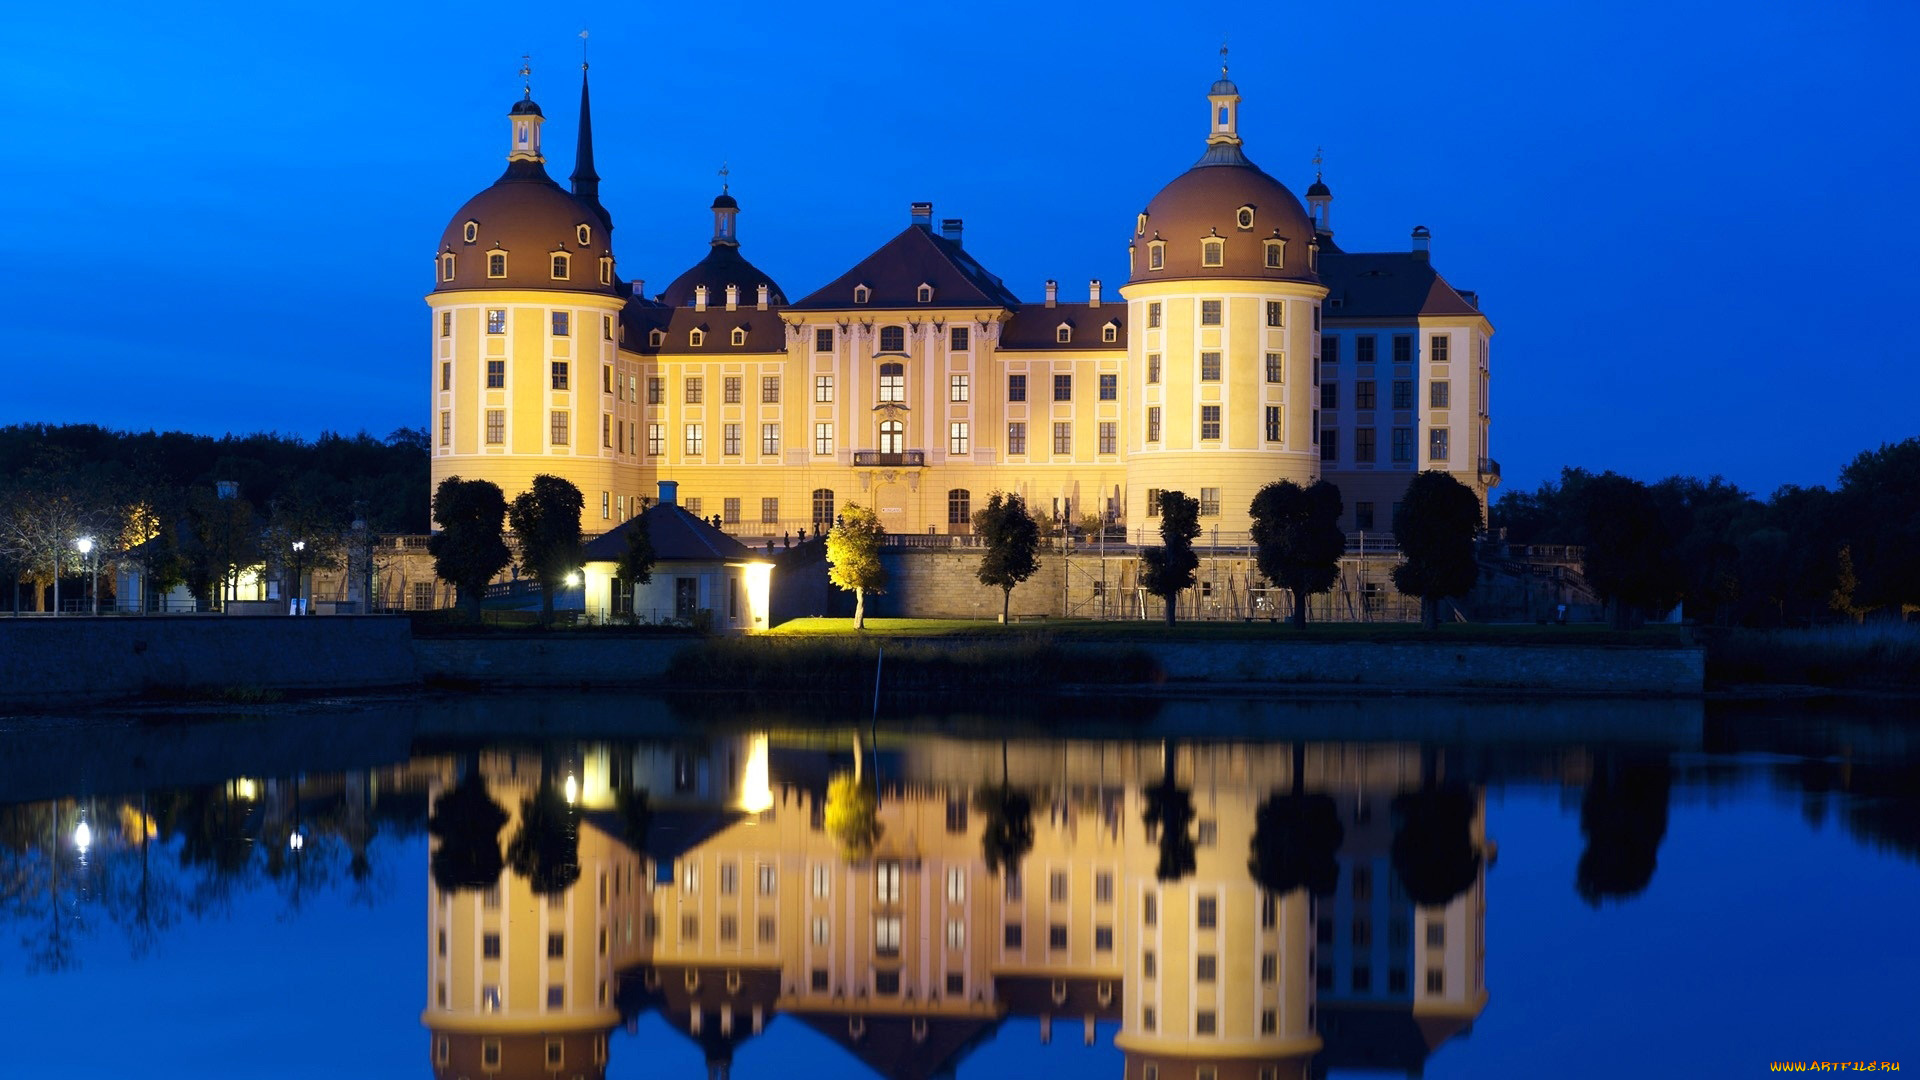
(470, 232)
(861, 294)
(561, 264)
(446, 267)
(1244, 217)
(893, 339)
(739, 335)
(584, 233)
(1110, 333)
(606, 271)
(657, 338)
(1213, 252)
(1063, 333)
(1157, 255)
(925, 294)
(696, 337)
(496, 264)
(1276, 254)
(1140, 225)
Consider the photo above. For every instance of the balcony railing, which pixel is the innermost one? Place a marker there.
(1490, 469)
(880, 459)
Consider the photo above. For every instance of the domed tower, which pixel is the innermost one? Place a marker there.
(727, 278)
(525, 306)
(1224, 294)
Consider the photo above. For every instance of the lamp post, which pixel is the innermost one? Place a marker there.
(85, 546)
(299, 563)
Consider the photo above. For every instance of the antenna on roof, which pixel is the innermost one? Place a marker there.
(526, 75)
(583, 50)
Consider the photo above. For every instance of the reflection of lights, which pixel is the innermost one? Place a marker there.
(245, 789)
(295, 841)
(759, 583)
(83, 836)
(756, 791)
(573, 790)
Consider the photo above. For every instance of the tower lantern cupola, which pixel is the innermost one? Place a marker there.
(524, 121)
(725, 210)
(1223, 108)
(1320, 200)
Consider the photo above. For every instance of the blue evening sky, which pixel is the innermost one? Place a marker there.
(221, 217)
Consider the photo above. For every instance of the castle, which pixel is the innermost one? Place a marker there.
(1245, 347)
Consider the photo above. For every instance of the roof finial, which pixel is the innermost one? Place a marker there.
(723, 177)
(583, 50)
(526, 74)
(1223, 56)
(1316, 161)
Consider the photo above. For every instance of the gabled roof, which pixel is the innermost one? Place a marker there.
(895, 273)
(1399, 284)
(677, 537)
(1035, 326)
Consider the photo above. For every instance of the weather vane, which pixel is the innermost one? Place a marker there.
(583, 50)
(1223, 55)
(526, 73)
(723, 178)
(1316, 161)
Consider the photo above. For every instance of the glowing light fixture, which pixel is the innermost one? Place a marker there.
(295, 841)
(84, 545)
(756, 788)
(573, 789)
(83, 836)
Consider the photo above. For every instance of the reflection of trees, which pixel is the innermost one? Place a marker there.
(1170, 810)
(1624, 817)
(1296, 838)
(1007, 836)
(853, 807)
(636, 817)
(467, 822)
(545, 849)
(1433, 849)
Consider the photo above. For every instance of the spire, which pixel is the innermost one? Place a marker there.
(586, 182)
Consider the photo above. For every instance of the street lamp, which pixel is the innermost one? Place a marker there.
(85, 547)
(299, 563)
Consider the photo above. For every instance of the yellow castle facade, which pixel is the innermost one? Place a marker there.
(1245, 347)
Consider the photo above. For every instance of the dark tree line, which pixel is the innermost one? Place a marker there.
(1802, 554)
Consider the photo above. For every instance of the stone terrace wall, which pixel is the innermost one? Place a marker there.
(1426, 666)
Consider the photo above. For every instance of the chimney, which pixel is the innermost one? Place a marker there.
(764, 296)
(1053, 292)
(1093, 293)
(699, 298)
(923, 214)
(950, 228)
(669, 492)
(733, 297)
(1421, 238)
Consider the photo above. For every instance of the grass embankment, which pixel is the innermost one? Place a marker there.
(1869, 656)
(453, 622)
(845, 664)
(1147, 633)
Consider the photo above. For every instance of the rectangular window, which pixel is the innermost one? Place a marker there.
(1439, 394)
(1150, 902)
(957, 882)
(1153, 510)
(893, 382)
(1363, 511)
(1329, 395)
(730, 389)
(1269, 1021)
(1109, 388)
(557, 427)
(1063, 388)
(606, 505)
(1276, 370)
(770, 511)
(822, 876)
(823, 438)
(606, 379)
(1017, 437)
(1209, 421)
(1206, 970)
(1153, 315)
(769, 439)
(1403, 393)
(1109, 437)
(823, 389)
(446, 375)
(956, 934)
(730, 511)
(496, 320)
(730, 439)
(693, 506)
(1056, 936)
(496, 374)
(696, 390)
(560, 324)
(1437, 444)
(823, 340)
(1205, 1022)
(490, 946)
(1153, 423)
(1436, 934)
(768, 930)
(1103, 939)
(1363, 447)
(559, 374)
(1363, 349)
(1103, 887)
(656, 390)
(446, 324)
(1403, 348)
(1269, 967)
(1057, 886)
(1329, 350)
(1436, 981)
(1013, 936)
(1329, 444)
(656, 439)
(696, 439)
(1209, 313)
(1273, 423)
(1016, 388)
(556, 946)
(1209, 507)
(957, 388)
(1063, 437)
(1363, 394)
(959, 340)
(1437, 346)
(1402, 445)
(1209, 367)
(1275, 309)
(957, 438)
(1153, 369)
(606, 328)
(769, 389)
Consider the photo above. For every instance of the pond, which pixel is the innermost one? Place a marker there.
(609, 885)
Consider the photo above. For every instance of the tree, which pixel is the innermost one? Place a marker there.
(1846, 585)
(636, 561)
(1433, 849)
(1167, 570)
(1623, 815)
(1169, 809)
(853, 813)
(1439, 518)
(225, 539)
(1296, 839)
(546, 521)
(1013, 544)
(1299, 539)
(1007, 836)
(469, 549)
(1879, 497)
(1629, 548)
(853, 557)
(545, 849)
(467, 822)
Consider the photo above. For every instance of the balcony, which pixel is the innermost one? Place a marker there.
(880, 459)
(1489, 471)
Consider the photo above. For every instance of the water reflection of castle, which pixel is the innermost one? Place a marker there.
(742, 907)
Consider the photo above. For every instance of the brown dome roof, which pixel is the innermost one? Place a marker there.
(1206, 200)
(530, 218)
(723, 266)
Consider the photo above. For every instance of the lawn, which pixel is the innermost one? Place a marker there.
(1089, 630)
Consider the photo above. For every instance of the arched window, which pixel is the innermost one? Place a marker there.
(497, 264)
(822, 508)
(696, 338)
(861, 294)
(446, 267)
(739, 335)
(1063, 333)
(1110, 333)
(893, 383)
(926, 294)
(893, 339)
(959, 507)
(561, 264)
(893, 437)
(606, 271)
(1157, 255)
(1213, 253)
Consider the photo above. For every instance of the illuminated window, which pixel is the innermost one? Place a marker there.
(1017, 437)
(769, 439)
(470, 232)
(696, 439)
(1273, 423)
(1109, 437)
(606, 272)
(1275, 369)
(1153, 368)
(559, 375)
(957, 388)
(496, 320)
(823, 388)
(496, 426)
(822, 515)
(893, 383)
(1063, 438)
(696, 389)
(823, 439)
(1157, 255)
(730, 511)
(892, 436)
(446, 428)
(656, 439)
(730, 446)
(1153, 315)
(1153, 423)
(561, 264)
(769, 389)
(886, 936)
(957, 438)
(497, 264)
(770, 511)
(893, 339)
(557, 427)
(1213, 253)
